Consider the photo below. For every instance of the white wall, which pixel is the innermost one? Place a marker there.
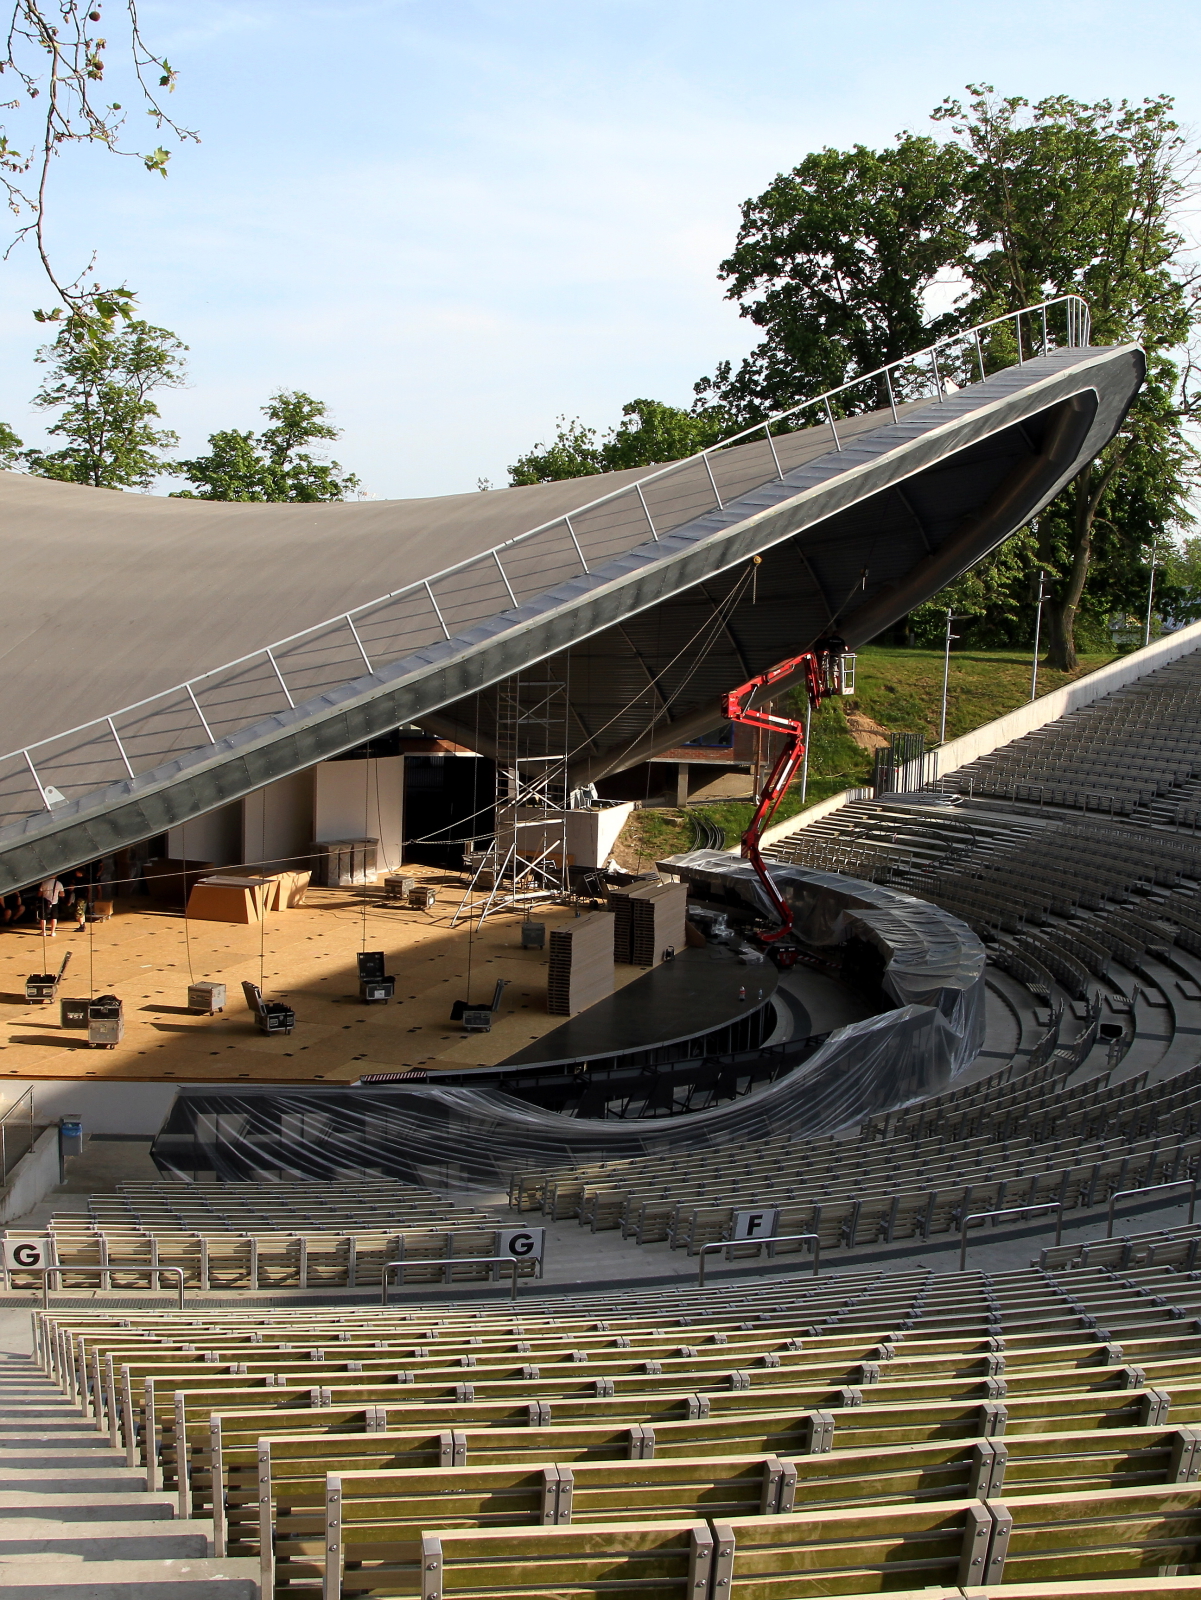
(362, 800)
(277, 824)
(215, 837)
(591, 835)
(105, 1107)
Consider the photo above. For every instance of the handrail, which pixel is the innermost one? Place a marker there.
(1178, 1183)
(1077, 327)
(4, 1116)
(782, 1238)
(452, 1261)
(172, 1272)
(1010, 1211)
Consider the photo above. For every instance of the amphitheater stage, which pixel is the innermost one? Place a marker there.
(681, 1002)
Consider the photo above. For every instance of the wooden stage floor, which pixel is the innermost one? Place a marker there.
(307, 957)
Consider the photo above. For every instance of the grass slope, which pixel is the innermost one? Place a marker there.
(900, 689)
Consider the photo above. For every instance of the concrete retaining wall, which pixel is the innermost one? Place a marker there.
(32, 1178)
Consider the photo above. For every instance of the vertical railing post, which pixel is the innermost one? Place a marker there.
(713, 481)
(1017, 323)
(203, 719)
(646, 511)
(280, 676)
(833, 429)
(359, 642)
(117, 738)
(892, 399)
(437, 609)
(937, 374)
(979, 352)
(771, 445)
(576, 542)
(37, 780)
(504, 578)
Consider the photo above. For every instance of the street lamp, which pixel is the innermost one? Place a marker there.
(1150, 597)
(946, 675)
(1038, 623)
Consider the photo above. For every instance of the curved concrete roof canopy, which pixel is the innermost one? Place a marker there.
(641, 602)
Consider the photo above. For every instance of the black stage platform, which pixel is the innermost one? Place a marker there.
(690, 998)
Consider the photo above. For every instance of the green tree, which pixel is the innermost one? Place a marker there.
(835, 261)
(12, 452)
(100, 382)
(1063, 196)
(272, 465)
(648, 434)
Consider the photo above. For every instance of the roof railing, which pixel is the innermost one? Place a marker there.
(964, 355)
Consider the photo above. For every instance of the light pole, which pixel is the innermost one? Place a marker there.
(1038, 624)
(946, 676)
(1150, 597)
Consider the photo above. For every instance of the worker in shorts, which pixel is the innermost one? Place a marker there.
(50, 892)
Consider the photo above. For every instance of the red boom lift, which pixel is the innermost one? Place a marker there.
(827, 671)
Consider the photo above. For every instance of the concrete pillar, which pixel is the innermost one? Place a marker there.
(681, 783)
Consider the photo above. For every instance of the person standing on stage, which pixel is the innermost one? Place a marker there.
(50, 892)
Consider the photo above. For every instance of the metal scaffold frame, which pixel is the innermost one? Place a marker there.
(526, 862)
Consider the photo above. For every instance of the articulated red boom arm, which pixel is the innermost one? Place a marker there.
(823, 671)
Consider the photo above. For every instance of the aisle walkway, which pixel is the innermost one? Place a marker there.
(75, 1522)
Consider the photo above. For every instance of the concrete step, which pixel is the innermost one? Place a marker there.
(52, 1577)
(77, 1524)
(107, 1541)
(128, 1506)
(40, 1483)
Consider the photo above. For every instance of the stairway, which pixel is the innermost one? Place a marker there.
(77, 1524)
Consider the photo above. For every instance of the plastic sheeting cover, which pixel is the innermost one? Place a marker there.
(930, 957)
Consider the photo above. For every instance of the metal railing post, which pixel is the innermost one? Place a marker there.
(203, 719)
(359, 642)
(771, 445)
(646, 510)
(892, 399)
(38, 781)
(280, 676)
(833, 429)
(504, 578)
(713, 482)
(1178, 1183)
(1010, 1211)
(576, 542)
(437, 609)
(783, 1238)
(512, 1262)
(120, 746)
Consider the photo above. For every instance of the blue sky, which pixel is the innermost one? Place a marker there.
(454, 221)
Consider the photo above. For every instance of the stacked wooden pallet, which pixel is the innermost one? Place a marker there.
(649, 920)
(581, 964)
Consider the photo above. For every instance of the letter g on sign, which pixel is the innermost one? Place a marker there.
(26, 1253)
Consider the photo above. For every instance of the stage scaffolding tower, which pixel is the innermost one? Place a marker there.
(526, 862)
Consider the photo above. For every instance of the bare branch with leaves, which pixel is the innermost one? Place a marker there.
(54, 65)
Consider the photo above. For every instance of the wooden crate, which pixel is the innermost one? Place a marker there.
(581, 964)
